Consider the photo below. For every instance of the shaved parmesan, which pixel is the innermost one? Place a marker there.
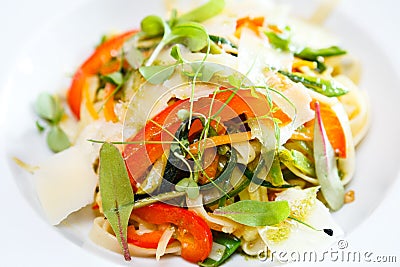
(66, 181)
(256, 55)
(296, 105)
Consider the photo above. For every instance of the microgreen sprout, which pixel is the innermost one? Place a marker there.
(50, 111)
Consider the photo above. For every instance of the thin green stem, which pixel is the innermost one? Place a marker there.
(132, 142)
(304, 223)
(195, 79)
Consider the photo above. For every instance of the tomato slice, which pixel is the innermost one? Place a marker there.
(193, 232)
(99, 61)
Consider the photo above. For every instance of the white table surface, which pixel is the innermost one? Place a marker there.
(22, 244)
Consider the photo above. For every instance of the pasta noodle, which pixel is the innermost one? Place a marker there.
(356, 105)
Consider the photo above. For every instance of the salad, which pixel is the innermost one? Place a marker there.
(227, 127)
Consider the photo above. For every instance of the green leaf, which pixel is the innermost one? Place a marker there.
(57, 140)
(256, 213)
(189, 186)
(39, 126)
(253, 92)
(275, 172)
(153, 26)
(157, 74)
(313, 54)
(173, 18)
(298, 160)
(280, 41)
(207, 70)
(254, 179)
(193, 35)
(115, 78)
(176, 54)
(325, 165)
(49, 108)
(323, 86)
(204, 12)
(303, 147)
(116, 193)
(235, 81)
(134, 57)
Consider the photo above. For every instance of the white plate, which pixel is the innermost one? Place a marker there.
(49, 56)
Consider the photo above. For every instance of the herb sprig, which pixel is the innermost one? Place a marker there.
(50, 111)
(116, 193)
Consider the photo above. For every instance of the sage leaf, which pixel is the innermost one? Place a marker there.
(116, 193)
(157, 74)
(256, 213)
(57, 140)
(204, 12)
(325, 165)
(323, 86)
(189, 186)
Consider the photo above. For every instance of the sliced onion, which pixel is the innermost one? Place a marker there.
(163, 243)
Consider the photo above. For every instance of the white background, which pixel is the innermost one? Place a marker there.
(22, 231)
